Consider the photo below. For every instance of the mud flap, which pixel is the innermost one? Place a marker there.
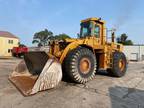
(33, 75)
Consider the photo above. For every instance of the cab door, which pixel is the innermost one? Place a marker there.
(97, 35)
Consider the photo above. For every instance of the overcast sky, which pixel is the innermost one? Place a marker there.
(25, 17)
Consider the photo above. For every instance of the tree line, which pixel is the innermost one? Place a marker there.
(43, 37)
(123, 39)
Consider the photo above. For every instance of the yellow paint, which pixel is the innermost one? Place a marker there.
(98, 45)
(6, 46)
(71, 46)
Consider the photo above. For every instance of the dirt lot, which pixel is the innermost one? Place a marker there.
(102, 92)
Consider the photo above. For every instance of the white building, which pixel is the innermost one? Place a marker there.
(134, 52)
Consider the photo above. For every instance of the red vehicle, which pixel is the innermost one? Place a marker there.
(19, 51)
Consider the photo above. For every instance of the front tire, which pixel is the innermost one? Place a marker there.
(119, 65)
(80, 65)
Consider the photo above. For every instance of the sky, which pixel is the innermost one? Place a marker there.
(25, 17)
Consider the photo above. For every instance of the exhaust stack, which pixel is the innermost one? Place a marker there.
(113, 35)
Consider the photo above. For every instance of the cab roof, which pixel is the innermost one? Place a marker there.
(93, 19)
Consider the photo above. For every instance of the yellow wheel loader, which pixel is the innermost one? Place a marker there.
(77, 59)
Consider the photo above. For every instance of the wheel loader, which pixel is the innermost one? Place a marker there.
(76, 59)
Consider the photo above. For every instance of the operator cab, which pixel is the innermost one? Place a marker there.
(91, 27)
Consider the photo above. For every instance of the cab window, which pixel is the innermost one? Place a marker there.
(97, 31)
(85, 29)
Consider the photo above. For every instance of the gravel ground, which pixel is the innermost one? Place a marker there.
(102, 92)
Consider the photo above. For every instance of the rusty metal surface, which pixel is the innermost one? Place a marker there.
(24, 83)
(21, 69)
(35, 61)
(36, 73)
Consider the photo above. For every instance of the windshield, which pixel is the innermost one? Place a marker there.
(85, 29)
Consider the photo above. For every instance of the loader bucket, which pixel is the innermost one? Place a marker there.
(37, 72)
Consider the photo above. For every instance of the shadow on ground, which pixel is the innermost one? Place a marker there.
(68, 80)
(122, 97)
(103, 72)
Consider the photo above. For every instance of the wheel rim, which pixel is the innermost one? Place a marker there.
(121, 64)
(85, 65)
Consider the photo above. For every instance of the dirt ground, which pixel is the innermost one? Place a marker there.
(102, 92)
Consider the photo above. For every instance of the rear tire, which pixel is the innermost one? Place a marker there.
(119, 65)
(14, 55)
(80, 65)
(19, 55)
